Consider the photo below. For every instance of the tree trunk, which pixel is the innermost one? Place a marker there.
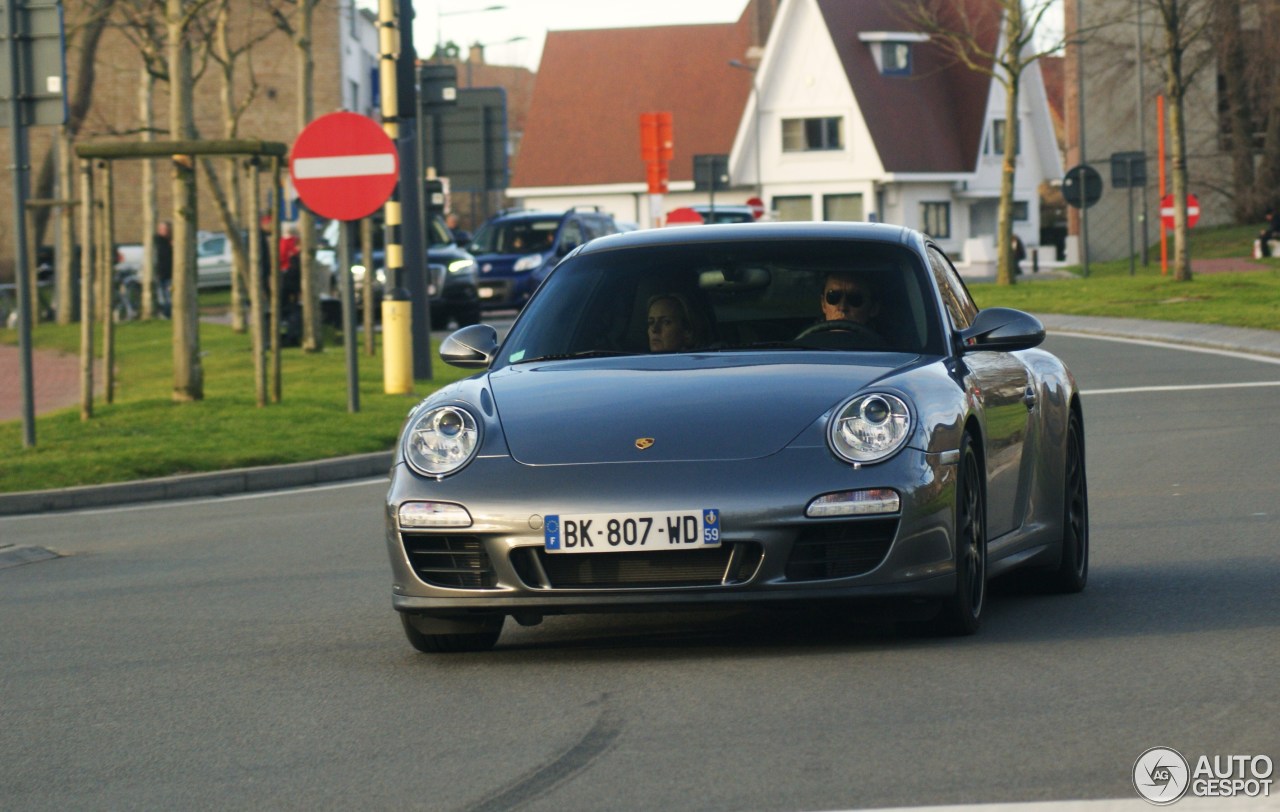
(64, 272)
(188, 375)
(80, 95)
(231, 213)
(1240, 120)
(1006, 268)
(150, 195)
(1175, 89)
(312, 338)
(1267, 179)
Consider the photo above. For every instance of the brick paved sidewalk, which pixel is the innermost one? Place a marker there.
(57, 381)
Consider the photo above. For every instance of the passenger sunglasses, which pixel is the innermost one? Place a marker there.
(835, 297)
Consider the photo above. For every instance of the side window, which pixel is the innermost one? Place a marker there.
(955, 296)
(571, 235)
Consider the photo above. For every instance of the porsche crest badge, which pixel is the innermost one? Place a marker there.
(643, 443)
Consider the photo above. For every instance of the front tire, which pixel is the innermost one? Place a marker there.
(483, 639)
(1073, 572)
(961, 613)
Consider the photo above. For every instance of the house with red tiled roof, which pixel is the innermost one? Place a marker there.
(849, 114)
(581, 143)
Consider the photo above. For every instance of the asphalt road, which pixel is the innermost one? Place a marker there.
(242, 653)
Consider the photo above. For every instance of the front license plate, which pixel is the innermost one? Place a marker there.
(628, 532)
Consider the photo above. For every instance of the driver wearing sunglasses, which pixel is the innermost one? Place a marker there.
(848, 297)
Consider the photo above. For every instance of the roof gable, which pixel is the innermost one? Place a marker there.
(931, 120)
(584, 121)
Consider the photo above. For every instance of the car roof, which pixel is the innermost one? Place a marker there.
(739, 232)
(529, 214)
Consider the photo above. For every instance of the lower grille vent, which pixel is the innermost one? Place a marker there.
(453, 561)
(840, 549)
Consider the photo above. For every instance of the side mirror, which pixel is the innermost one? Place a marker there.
(472, 347)
(1002, 329)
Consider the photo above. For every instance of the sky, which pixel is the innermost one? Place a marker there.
(469, 21)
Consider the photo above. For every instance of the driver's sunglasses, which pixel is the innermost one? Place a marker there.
(854, 298)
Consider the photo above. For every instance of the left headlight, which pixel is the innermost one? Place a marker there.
(441, 440)
(869, 428)
(461, 265)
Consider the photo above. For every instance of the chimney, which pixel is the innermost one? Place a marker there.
(476, 54)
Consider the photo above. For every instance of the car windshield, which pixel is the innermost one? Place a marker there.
(516, 236)
(724, 297)
(438, 233)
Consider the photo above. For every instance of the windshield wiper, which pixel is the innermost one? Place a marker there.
(570, 355)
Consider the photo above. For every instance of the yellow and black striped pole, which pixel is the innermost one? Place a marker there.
(397, 333)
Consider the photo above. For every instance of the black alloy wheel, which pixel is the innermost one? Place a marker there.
(961, 613)
(1073, 572)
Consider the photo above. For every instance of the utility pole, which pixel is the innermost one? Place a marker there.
(397, 349)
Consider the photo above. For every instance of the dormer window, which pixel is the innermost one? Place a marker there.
(892, 50)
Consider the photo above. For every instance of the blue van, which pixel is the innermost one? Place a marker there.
(515, 250)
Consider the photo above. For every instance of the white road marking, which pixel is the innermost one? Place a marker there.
(344, 166)
(1168, 345)
(1129, 390)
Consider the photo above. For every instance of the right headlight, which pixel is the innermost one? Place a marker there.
(869, 428)
(528, 262)
(441, 440)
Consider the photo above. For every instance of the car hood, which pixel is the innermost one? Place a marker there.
(693, 407)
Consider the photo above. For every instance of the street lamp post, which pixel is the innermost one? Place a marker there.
(440, 27)
(755, 96)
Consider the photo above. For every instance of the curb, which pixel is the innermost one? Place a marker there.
(1183, 334)
(190, 486)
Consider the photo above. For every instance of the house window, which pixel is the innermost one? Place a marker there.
(792, 208)
(812, 134)
(995, 141)
(935, 220)
(842, 207)
(895, 58)
(1020, 211)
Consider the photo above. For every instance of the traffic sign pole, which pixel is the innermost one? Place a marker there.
(345, 167)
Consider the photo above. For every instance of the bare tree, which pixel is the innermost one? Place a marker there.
(141, 24)
(1235, 85)
(1267, 73)
(999, 39)
(1187, 27)
(83, 36)
(227, 54)
(188, 374)
(294, 17)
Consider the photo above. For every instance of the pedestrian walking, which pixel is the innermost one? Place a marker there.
(162, 268)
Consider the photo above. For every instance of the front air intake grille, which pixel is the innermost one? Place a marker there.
(435, 278)
(715, 566)
(453, 561)
(840, 549)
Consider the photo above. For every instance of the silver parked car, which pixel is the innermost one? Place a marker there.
(698, 417)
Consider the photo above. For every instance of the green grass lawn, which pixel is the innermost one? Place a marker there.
(1238, 299)
(145, 434)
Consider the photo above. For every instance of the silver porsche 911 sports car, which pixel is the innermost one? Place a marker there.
(729, 414)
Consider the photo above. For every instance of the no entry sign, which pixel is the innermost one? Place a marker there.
(344, 166)
(1167, 211)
